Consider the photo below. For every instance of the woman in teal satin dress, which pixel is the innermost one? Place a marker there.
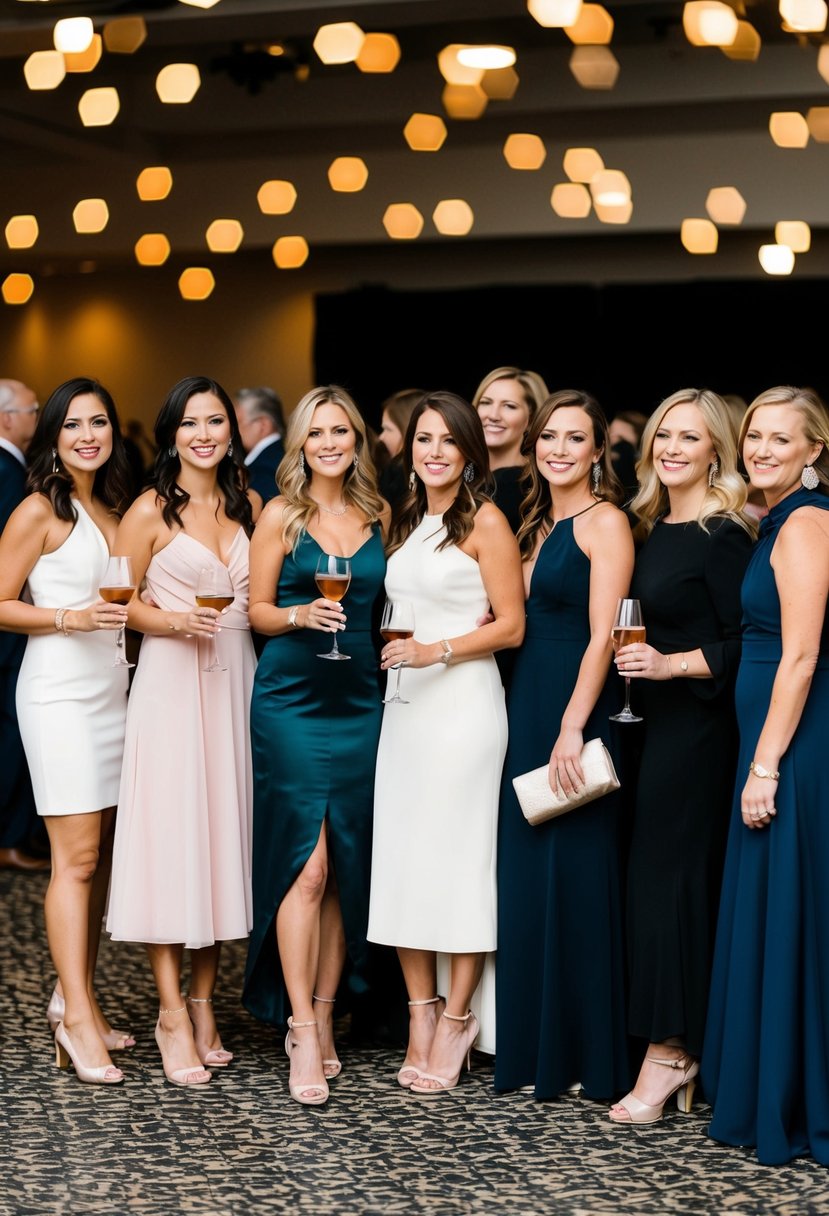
(314, 727)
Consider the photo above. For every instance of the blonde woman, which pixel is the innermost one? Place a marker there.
(507, 400)
(688, 576)
(314, 727)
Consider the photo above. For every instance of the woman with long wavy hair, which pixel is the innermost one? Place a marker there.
(181, 864)
(507, 400)
(440, 756)
(688, 576)
(314, 726)
(71, 699)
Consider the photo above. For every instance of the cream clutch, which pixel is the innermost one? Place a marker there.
(539, 803)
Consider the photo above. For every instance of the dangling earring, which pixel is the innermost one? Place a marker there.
(54, 460)
(302, 463)
(412, 481)
(809, 478)
(356, 461)
(713, 470)
(173, 452)
(596, 476)
(469, 472)
(230, 448)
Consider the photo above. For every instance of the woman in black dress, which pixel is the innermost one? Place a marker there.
(688, 576)
(507, 400)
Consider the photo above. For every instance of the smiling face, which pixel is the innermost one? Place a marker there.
(505, 416)
(391, 435)
(565, 449)
(331, 442)
(776, 449)
(436, 458)
(84, 441)
(683, 450)
(203, 435)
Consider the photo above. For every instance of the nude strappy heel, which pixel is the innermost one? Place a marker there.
(215, 1057)
(641, 1112)
(114, 1040)
(312, 1093)
(447, 1083)
(107, 1074)
(187, 1077)
(331, 1068)
(408, 1074)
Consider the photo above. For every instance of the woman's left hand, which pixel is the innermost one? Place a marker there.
(640, 661)
(565, 763)
(408, 653)
(757, 802)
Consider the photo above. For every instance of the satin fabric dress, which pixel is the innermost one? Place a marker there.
(560, 974)
(765, 1063)
(314, 727)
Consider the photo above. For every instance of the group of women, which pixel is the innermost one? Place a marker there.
(333, 823)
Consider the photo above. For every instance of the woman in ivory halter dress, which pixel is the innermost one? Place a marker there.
(439, 762)
(71, 699)
(181, 864)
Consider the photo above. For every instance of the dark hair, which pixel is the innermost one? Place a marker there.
(263, 402)
(232, 478)
(399, 406)
(466, 429)
(535, 507)
(112, 479)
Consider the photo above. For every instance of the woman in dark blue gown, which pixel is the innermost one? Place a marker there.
(314, 728)
(560, 1007)
(766, 1057)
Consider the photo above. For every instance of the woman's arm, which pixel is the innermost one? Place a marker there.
(800, 560)
(267, 553)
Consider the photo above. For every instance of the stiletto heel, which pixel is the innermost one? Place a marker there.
(302, 1093)
(444, 1084)
(186, 1077)
(414, 1073)
(331, 1068)
(114, 1040)
(215, 1057)
(641, 1112)
(107, 1074)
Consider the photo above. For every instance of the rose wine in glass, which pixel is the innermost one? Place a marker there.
(397, 624)
(215, 590)
(627, 629)
(333, 578)
(118, 587)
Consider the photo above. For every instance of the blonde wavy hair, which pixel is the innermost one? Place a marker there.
(815, 420)
(726, 497)
(360, 482)
(533, 386)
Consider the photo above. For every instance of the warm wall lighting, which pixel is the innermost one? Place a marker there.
(823, 61)
(85, 61)
(99, 107)
(594, 26)
(154, 183)
(725, 205)
(795, 233)
(425, 132)
(699, 236)
(403, 221)
(594, 67)
(570, 200)
(746, 45)
(18, 288)
(339, 43)
(464, 100)
(451, 68)
(776, 259)
(618, 213)
(500, 84)
(379, 53)
(610, 188)
(817, 120)
(124, 35)
(453, 217)
(524, 152)
(290, 252)
(196, 283)
(804, 16)
(152, 249)
(276, 197)
(582, 164)
(73, 34)
(178, 83)
(789, 129)
(90, 215)
(21, 232)
(709, 23)
(555, 14)
(347, 174)
(44, 69)
(489, 58)
(224, 236)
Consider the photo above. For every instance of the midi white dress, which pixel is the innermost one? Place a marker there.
(71, 701)
(433, 875)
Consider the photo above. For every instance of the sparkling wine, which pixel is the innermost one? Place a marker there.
(116, 595)
(396, 635)
(333, 586)
(626, 635)
(215, 601)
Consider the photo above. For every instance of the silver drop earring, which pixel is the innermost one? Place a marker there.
(713, 470)
(54, 460)
(412, 481)
(302, 462)
(468, 472)
(356, 461)
(172, 452)
(596, 476)
(230, 448)
(809, 478)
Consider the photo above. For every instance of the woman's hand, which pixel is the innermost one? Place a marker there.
(99, 615)
(408, 653)
(322, 614)
(640, 661)
(565, 765)
(757, 803)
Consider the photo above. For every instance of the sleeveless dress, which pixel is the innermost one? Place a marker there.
(181, 859)
(71, 701)
(438, 774)
(314, 727)
(560, 980)
(766, 1059)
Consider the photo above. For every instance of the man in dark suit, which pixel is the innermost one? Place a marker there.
(261, 425)
(19, 824)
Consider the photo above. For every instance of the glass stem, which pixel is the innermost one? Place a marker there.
(119, 641)
(397, 689)
(627, 694)
(335, 648)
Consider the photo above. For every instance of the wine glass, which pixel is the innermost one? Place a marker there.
(627, 628)
(333, 577)
(215, 590)
(118, 587)
(397, 623)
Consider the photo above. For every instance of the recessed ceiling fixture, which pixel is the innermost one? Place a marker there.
(776, 259)
(486, 57)
(73, 34)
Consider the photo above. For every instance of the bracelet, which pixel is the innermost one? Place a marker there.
(446, 657)
(670, 673)
(760, 771)
(683, 666)
(60, 613)
(292, 615)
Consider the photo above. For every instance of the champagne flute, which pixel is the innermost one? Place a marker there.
(397, 624)
(333, 578)
(118, 587)
(215, 590)
(627, 628)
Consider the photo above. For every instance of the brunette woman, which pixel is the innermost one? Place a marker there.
(507, 400)
(396, 412)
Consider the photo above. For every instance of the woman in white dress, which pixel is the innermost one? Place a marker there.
(71, 700)
(452, 555)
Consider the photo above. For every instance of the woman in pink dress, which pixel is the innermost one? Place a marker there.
(181, 865)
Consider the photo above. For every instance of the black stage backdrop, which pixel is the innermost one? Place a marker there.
(629, 345)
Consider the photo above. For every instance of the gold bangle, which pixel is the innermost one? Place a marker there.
(760, 771)
(292, 615)
(60, 613)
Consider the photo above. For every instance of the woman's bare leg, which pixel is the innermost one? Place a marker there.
(175, 1030)
(204, 970)
(329, 969)
(420, 973)
(452, 1037)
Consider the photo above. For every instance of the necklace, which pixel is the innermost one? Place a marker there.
(328, 510)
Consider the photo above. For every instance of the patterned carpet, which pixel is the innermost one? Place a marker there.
(241, 1147)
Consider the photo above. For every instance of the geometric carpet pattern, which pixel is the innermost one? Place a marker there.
(240, 1147)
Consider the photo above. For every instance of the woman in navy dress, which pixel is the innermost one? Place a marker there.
(766, 1058)
(560, 1007)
